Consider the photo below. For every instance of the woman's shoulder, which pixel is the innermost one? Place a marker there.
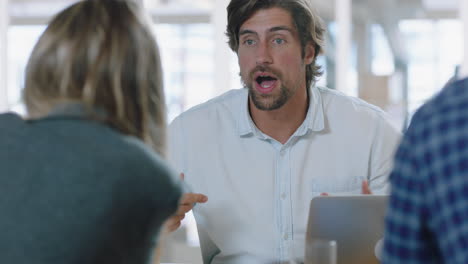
(10, 119)
(143, 160)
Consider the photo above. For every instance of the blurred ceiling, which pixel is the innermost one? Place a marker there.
(400, 9)
(387, 13)
(403, 9)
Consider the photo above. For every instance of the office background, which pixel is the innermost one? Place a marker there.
(395, 54)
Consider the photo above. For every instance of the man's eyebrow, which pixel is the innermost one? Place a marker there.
(273, 29)
(279, 28)
(247, 31)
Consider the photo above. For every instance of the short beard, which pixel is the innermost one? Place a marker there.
(277, 103)
(283, 97)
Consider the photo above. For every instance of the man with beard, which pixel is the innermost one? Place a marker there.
(262, 153)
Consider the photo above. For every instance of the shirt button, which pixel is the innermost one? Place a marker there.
(286, 236)
(283, 196)
(282, 152)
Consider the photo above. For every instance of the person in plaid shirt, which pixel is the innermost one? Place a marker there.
(427, 218)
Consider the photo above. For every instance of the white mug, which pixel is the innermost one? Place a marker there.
(321, 251)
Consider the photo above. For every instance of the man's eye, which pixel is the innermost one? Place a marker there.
(249, 42)
(278, 41)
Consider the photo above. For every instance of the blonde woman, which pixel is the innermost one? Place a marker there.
(82, 178)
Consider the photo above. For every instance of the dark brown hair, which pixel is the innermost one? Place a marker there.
(308, 24)
(102, 54)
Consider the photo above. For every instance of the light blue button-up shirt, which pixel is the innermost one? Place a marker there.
(259, 190)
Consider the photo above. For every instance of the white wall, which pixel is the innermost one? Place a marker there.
(464, 18)
(343, 46)
(222, 51)
(4, 18)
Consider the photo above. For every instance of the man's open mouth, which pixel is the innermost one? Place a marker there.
(266, 81)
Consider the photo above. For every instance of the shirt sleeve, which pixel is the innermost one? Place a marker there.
(175, 145)
(177, 151)
(208, 247)
(386, 140)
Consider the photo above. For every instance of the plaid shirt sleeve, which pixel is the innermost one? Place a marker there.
(427, 219)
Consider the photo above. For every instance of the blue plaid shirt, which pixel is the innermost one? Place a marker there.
(427, 221)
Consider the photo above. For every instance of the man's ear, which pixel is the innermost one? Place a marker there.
(309, 53)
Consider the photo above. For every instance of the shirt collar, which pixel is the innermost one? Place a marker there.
(314, 120)
(245, 123)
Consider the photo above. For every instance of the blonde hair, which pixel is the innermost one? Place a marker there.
(102, 54)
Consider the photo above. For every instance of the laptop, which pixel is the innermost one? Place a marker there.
(356, 223)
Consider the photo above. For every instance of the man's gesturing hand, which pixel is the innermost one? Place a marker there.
(186, 204)
(365, 189)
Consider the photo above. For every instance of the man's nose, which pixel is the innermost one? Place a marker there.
(263, 55)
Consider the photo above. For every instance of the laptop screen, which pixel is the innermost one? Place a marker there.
(356, 223)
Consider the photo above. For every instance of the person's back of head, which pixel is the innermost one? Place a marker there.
(102, 54)
(84, 188)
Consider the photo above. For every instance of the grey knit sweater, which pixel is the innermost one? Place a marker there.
(76, 191)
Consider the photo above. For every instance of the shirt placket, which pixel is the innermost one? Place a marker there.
(283, 197)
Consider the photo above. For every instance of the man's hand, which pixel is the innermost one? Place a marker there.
(365, 189)
(186, 203)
